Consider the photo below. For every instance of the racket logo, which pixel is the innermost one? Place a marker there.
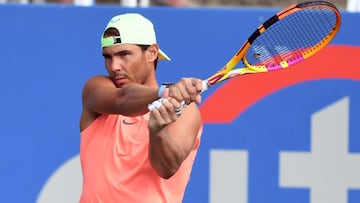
(257, 55)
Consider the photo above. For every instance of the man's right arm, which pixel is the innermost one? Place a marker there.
(101, 96)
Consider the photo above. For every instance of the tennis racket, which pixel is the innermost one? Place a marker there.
(287, 38)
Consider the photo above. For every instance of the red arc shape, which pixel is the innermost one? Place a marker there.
(238, 94)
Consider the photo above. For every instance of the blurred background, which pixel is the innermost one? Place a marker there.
(342, 4)
(49, 48)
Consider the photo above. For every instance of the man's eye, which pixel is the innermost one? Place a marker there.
(124, 53)
(106, 56)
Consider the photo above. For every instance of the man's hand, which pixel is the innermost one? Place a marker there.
(187, 89)
(164, 113)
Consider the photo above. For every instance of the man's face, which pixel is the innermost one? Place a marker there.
(127, 63)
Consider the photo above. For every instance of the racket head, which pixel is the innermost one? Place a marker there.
(289, 37)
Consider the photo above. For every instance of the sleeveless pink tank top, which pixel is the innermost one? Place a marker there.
(116, 168)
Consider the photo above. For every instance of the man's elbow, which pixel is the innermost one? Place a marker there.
(166, 173)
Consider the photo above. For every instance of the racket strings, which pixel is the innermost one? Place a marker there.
(289, 38)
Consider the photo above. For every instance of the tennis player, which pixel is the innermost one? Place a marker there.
(129, 154)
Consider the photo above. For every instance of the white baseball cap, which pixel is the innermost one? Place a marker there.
(134, 29)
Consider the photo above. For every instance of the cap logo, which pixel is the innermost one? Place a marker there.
(110, 41)
(114, 20)
(117, 40)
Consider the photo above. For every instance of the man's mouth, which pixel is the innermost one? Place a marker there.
(119, 80)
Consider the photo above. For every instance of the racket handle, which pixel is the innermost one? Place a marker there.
(157, 103)
(205, 85)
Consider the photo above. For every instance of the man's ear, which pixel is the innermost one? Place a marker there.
(153, 52)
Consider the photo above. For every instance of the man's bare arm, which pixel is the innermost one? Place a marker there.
(101, 96)
(172, 140)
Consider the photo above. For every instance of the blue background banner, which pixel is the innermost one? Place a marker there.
(287, 136)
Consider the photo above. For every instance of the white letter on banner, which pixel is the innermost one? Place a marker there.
(228, 176)
(329, 170)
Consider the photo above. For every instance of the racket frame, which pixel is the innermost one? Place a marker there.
(228, 71)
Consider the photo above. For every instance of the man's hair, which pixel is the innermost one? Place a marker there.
(114, 32)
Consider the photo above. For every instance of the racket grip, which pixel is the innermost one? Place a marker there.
(156, 104)
(205, 85)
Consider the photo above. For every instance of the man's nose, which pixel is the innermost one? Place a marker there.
(115, 65)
